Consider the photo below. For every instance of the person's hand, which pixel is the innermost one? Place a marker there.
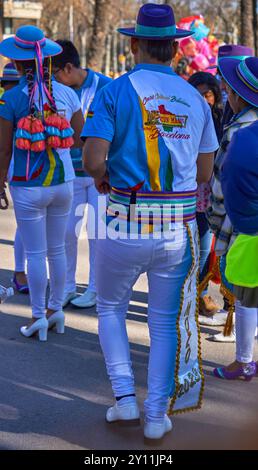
(102, 184)
(4, 203)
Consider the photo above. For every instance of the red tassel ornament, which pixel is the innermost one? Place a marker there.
(23, 144)
(54, 142)
(64, 124)
(25, 123)
(54, 120)
(67, 142)
(39, 146)
(37, 126)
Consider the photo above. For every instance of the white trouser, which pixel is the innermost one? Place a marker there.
(246, 324)
(119, 263)
(84, 193)
(42, 215)
(19, 253)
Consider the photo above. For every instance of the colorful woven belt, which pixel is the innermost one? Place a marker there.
(152, 207)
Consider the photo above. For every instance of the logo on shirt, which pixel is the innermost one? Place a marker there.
(166, 119)
(90, 114)
(2, 102)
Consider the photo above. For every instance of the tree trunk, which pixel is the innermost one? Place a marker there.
(247, 31)
(108, 54)
(100, 26)
(255, 25)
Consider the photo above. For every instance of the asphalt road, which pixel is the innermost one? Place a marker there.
(54, 395)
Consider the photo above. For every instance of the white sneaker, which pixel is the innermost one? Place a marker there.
(86, 300)
(5, 292)
(40, 326)
(217, 319)
(220, 338)
(154, 430)
(68, 297)
(127, 412)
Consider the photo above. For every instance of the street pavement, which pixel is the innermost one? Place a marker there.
(54, 395)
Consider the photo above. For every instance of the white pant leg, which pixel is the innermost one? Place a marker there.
(73, 230)
(92, 229)
(118, 265)
(30, 210)
(19, 253)
(166, 276)
(57, 218)
(246, 324)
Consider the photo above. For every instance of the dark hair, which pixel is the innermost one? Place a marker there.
(29, 67)
(181, 67)
(8, 82)
(68, 55)
(159, 50)
(205, 78)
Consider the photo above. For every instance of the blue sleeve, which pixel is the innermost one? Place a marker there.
(100, 120)
(6, 107)
(239, 179)
(209, 142)
(103, 81)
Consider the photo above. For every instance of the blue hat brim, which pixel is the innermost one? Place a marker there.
(180, 33)
(227, 68)
(8, 48)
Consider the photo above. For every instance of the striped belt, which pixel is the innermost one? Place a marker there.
(152, 207)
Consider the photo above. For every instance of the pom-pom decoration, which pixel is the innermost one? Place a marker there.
(23, 144)
(38, 146)
(67, 143)
(54, 142)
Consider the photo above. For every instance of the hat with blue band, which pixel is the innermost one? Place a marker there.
(23, 45)
(156, 22)
(242, 77)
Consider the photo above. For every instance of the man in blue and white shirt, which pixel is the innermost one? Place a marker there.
(86, 83)
(158, 134)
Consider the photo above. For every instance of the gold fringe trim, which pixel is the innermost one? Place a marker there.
(204, 284)
(226, 292)
(177, 385)
(215, 271)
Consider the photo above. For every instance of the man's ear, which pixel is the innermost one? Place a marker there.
(69, 67)
(134, 45)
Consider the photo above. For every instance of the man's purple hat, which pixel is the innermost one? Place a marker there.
(235, 52)
(242, 77)
(155, 22)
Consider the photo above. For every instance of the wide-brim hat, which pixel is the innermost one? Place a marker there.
(155, 22)
(22, 46)
(10, 74)
(233, 51)
(242, 77)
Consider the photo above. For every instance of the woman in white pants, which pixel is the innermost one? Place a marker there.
(37, 114)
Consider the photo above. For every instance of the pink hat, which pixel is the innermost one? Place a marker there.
(200, 62)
